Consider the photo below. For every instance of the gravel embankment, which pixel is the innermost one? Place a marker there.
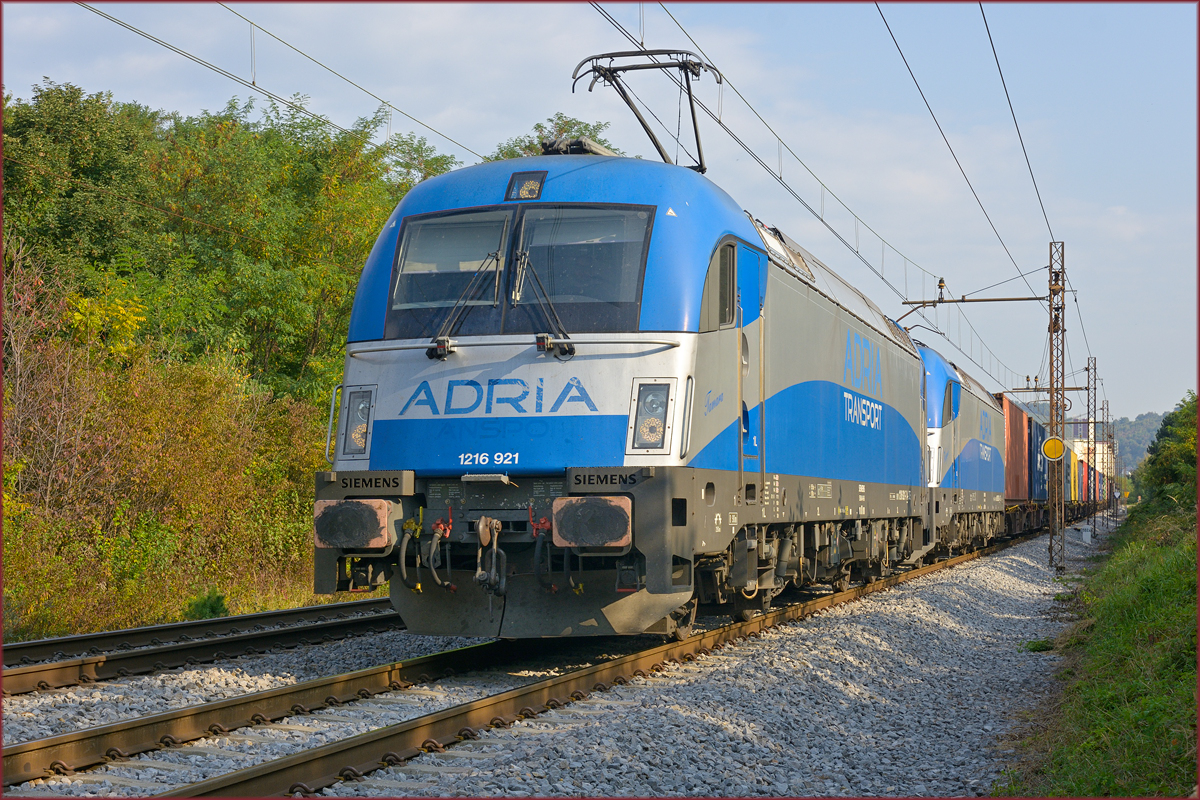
(905, 693)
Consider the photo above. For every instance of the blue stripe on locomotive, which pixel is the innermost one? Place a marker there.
(546, 444)
(680, 244)
(807, 435)
(973, 473)
(970, 470)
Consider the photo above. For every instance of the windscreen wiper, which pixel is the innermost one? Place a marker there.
(440, 346)
(545, 341)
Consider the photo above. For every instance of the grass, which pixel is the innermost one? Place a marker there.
(1125, 721)
(57, 586)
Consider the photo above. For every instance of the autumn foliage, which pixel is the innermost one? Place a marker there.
(177, 292)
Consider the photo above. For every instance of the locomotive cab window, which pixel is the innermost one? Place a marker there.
(586, 262)
(511, 270)
(449, 260)
(720, 291)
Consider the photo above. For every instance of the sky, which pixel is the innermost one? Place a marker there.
(1105, 96)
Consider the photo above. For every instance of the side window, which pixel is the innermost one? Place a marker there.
(728, 291)
(720, 291)
(950, 404)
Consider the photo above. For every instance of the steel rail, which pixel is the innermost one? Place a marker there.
(20, 653)
(312, 770)
(35, 677)
(78, 750)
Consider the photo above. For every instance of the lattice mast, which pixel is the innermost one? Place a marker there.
(1093, 459)
(1058, 411)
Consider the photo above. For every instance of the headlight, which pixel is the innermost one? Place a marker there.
(650, 423)
(358, 415)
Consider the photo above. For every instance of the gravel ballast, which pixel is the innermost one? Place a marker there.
(906, 692)
(40, 714)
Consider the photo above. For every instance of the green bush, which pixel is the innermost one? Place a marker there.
(1126, 725)
(207, 606)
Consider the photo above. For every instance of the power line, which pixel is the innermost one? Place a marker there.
(1028, 164)
(834, 195)
(1014, 118)
(779, 179)
(361, 137)
(947, 141)
(1006, 280)
(1079, 314)
(251, 86)
(352, 83)
(787, 147)
(1020, 274)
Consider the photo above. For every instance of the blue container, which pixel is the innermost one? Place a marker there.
(1039, 467)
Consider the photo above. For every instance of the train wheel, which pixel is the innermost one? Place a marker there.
(684, 618)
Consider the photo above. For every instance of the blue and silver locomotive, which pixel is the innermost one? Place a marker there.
(584, 393)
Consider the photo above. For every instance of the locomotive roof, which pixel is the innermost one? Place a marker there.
(840, 291)
(692, 215)
(940, 370)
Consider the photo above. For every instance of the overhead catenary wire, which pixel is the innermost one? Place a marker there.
(332, 71)
(785, 146)
(779, 179)
(948, 146)
(1029, 164)
(1006, 280)
(236, 78)
(820, 216)
(226, 73)
(1020, 138)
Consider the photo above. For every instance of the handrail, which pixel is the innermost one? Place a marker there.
(329, 429)
(453, 344)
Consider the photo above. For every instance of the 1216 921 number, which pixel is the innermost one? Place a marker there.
(499, 459)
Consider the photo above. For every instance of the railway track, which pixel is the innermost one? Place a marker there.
(142, 650)
(352, 757)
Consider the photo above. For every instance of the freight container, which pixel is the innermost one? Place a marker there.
(1071, 476)
(1016, 451)
(1038, 465)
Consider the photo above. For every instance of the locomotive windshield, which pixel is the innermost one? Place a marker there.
(585, 261)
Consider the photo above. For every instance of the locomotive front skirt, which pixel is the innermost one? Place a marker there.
(584, 393)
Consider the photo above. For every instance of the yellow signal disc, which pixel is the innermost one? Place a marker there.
(1053, 448)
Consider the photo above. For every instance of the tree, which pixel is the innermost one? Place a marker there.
(239, 231)
(1170, 466)
(558, 125)
(75, 168)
